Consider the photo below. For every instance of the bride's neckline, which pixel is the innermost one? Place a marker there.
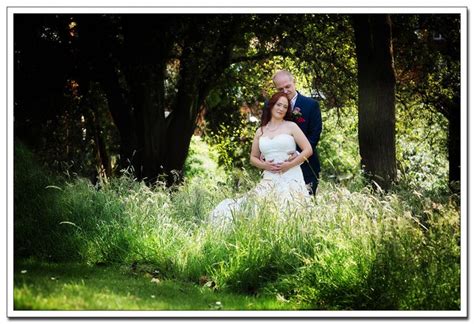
(279, 124)
(270, 138)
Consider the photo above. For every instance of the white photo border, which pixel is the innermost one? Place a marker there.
(462, 313)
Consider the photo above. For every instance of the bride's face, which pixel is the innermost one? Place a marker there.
(280, 108)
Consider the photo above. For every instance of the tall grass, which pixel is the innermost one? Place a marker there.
(344, 250)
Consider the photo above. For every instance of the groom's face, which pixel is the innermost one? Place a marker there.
(284, 83)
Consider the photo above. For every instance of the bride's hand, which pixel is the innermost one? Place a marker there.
(285, 166)
(272, 167)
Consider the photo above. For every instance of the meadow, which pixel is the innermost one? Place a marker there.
(352, 248)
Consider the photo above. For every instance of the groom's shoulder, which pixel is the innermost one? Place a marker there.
(308, 101)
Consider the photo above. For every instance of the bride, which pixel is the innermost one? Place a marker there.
(273, 146)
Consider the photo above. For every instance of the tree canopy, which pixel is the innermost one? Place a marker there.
(97, 93)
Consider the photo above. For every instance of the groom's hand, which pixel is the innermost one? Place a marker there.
(292, 156)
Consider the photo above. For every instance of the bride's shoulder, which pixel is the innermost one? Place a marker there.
(290, 123)
(259, 132)
(292, 127)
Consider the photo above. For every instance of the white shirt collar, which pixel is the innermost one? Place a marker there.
(293, 101)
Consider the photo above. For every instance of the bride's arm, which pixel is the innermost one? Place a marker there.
(255, 156)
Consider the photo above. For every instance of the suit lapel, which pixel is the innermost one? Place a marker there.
(298, 99)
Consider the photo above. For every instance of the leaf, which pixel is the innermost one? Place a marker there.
(69, 223)
(282, 299)
(53, 187)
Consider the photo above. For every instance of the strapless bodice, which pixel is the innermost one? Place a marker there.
(277, 148)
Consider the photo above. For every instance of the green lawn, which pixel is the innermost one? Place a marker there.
(45, 286)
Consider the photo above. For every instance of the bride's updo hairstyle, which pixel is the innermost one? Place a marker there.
(267, 110)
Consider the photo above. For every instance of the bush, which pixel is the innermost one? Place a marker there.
(37, 213)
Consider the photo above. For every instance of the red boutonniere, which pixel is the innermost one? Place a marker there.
(297, 115)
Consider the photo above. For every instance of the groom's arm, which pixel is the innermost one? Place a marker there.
(315, 125)
(314, 129)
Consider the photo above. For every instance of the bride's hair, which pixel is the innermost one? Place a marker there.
(267, 110)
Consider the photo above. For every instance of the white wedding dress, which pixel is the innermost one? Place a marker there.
(286, 188)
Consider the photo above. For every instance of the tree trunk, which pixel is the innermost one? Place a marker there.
(376, 81)
(97, 61)
(199, 72)
(90, 108)
(148, 101)
(133, 81)
(124, 119)
(134, 85)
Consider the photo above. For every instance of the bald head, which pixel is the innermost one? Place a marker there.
(284, 82)
(283, 74)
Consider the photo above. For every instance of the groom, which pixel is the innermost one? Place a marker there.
(307, 115)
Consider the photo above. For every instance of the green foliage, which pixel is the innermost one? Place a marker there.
(339, 147)
(421, 144)
(234, 145)
(324, 57)
(422, 148)
(428, 68)
(37, 213)
(317, 48)
(377, 255)
(201, 160)
(228, 128)
(427, 60)
(346, 250)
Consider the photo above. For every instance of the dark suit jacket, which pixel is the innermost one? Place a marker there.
(311, 127)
